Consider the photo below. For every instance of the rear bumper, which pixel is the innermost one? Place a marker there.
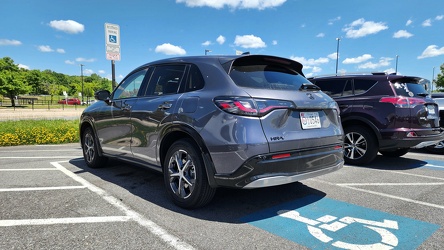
(264, 171)
(401, 140)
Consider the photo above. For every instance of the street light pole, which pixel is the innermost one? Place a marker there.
(81, 76)
(337, 54)
(433, 78)
(206, 51)
(396, 69)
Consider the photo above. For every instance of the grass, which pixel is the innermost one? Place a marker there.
(31, 132)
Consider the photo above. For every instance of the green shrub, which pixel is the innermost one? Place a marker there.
(30, 132)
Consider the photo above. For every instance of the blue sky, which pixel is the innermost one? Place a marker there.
(374, 35)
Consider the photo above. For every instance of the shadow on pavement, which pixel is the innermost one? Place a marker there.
(228, 205)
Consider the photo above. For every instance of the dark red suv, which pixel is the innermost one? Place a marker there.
(382, 113)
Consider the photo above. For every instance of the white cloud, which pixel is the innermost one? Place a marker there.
(358, 59)
(70, 62)
(383, 62)
(402, 34)
(427, 23)
(408, 22)
(331, 21)
(360, 28)
(68, 26)
(22, 66)
(234, 4)
(7, 42)
(45, 48)
(316, 69)
(206, 43)
(431, 51)
(320, 35)
(333, 56)
(88, 71)
(101, 71)
(81, 59)
(220, 39)
(249, 42)
(169, 49)
(439, 18)
(310, 62)
(274, 42)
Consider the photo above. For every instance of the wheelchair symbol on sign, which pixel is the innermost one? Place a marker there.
(315, 227)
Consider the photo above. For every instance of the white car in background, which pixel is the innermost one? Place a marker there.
(439, 147)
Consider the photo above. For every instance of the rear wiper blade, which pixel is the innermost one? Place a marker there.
(422, 94)
(309, 86)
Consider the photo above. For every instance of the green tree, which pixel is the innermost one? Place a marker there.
(33, 78)
(440, 79)
(12, 80)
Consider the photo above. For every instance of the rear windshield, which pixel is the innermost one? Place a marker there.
(409, 88)
(267, 76)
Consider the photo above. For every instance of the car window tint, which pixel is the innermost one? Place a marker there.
(165, 80)
(195, 79)
(362, 85)
(130, 86)
(266, 76)
(409, 88)
(335, 87)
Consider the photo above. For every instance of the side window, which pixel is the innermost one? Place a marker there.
(130, 86)
(362, 86)
(165, 80)
(336, 87)
(195, 79)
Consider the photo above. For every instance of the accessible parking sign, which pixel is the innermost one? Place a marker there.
(323, 223)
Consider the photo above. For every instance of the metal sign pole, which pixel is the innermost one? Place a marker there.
(113, 70)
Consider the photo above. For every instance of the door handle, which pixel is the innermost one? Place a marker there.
(165, 105)
(126, 108)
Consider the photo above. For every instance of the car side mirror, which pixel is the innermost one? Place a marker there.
(102, 95)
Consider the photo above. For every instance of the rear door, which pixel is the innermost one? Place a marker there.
(155, 110)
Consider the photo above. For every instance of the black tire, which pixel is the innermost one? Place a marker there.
(185, 175)
(394, 153)
(437, 148)
(91, 150)
(360, 145)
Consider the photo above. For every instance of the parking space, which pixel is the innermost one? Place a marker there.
(51, 200)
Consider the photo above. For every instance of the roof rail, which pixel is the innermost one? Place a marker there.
(353, 74)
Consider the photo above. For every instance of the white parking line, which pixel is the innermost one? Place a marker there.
(53, 221)
(155, 229)
(396, 197)
(392, 184)
(39, 188)
(28, 169)
(39, 157)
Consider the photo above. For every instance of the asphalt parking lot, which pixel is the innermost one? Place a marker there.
(51, 200)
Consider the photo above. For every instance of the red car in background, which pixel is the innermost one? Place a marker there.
(70, 101)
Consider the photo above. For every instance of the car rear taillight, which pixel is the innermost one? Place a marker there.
(250, 106)
(402, 102)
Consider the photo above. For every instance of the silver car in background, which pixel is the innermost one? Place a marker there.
(246, 121)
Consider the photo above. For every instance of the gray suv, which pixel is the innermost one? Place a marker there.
(245, 121)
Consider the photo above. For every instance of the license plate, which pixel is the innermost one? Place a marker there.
(431, 110)
(310, 120)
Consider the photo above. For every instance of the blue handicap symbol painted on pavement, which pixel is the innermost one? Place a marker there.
(323, 223)
(434, 164)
